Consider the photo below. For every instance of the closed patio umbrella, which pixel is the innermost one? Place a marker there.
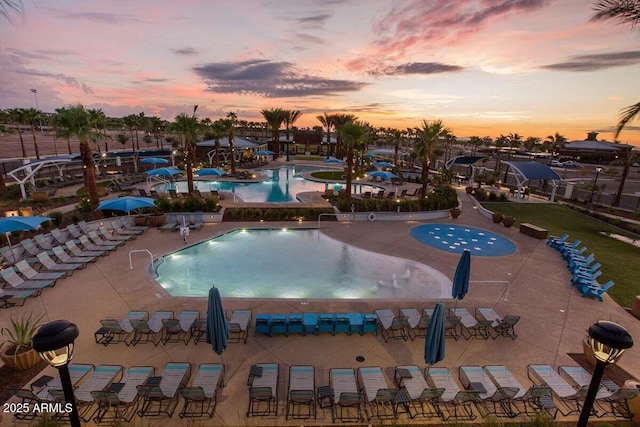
(434, 341)
(217, 325)
(460, 285)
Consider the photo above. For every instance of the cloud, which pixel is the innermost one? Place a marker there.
(186, 51)
(414, 68)
(68, 80)
(317, 19)
(269, 79)
(103, 18)
(595, 62)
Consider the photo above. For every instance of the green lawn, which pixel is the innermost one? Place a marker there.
(331, 175)
(618, 259)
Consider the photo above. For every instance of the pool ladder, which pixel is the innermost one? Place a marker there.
(136, 251)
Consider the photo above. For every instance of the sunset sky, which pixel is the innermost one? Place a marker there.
(485, 67)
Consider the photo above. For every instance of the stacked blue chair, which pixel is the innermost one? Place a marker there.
(263, 324)
(310, 322)
(356, 323)
(341, 323)
(278, 324)
(294, 324)
(370, 323)
(325, 323)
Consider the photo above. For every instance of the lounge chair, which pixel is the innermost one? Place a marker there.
(196, 222)
(476, 379)
(115, 331)
(31, 248)
(102, 243)
(160, 394)
(175, 330)
(423, 400)
(570, 397)
(378, 195)
(263, 324)
(172, 223)
(128, 225)
(391, 195)
(458, 403)
(112, 236)
(173, 194)
(278, 325)
(90, 246)
(151, 330)
(580, 378)
(555, 241)
(381, 398)
(30, 273)
(365, 195)
(10, 276)
(346, 401)
(597, 291)
(51, 265)
(121, 230)
(118, 402)
(65, 258)
(263, 390)
(472, 327)
(417, 323)
(15, 297)
(201, 397)
(301, 401)
(392, 326)
(77, 251)
(75, 231)
(326, 323)
(9, 255)
(501, 326)
(239, 324)
(60, 236)
(617, 403)
(43, 242)
(403, 194)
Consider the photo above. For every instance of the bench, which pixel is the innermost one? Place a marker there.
(533, 231)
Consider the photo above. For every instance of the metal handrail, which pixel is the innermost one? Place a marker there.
(139, 250)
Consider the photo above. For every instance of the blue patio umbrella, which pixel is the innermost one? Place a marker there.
(164, 172)
(383, 164)
(210, 172)
(155, 160)
(217, 325)
(20, 223)
(263, 153)
(461, 276)
(383, 174)
(370, 155)
(434, 341)
(126, 204)
(332, 160)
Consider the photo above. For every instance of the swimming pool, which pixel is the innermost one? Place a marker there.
(295, 264)
(457, 238)
(282, 186)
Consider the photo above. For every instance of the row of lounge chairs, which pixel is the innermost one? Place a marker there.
(57, 255)
(584, 269)
(137, 327)
(174, 221)
(111, 393)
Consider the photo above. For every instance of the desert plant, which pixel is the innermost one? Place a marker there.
(56, 218)
(19, 334)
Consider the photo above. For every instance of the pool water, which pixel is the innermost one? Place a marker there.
(282, 186)
(457, 238)
(296, 264)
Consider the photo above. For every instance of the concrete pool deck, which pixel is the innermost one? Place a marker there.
(533, 283)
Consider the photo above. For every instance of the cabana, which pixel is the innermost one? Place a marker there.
(527, 171)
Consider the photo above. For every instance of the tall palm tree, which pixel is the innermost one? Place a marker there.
(76, 121)
(32, 116)
(353, 134)
(230, 125)
(131, 122)
(556, 141)
(290, 116)
(397, 137)
(339, 120)
(428, 134)
(218, 130)
(627, 12)
(274, 117)
(327, 122)
(99, 120)
(187, 127)
(8, 7)
(16, 116)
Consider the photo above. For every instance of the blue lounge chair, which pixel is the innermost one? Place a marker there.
(326, 323)
(263, 324)
(310, 323)
(597, 291)
(278, 325)
(294, 324)
(341, 323)
(369, 323)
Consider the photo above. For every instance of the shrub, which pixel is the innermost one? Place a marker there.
(56, 218)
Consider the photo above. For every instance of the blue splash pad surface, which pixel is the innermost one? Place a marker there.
(457, 238)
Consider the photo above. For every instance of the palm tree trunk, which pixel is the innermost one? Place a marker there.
(89, 173)
(623, 178)
(24, 151)
(233, 157)
(69, 145)
(35, 142)
(190, 157)
(425, 177)
(349, 172)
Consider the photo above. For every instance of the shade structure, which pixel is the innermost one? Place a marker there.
(20, 223)
(370, 155)
(263, 153)
(164, 172)
(217, 325)
(210, 172)
(155, 160)
(332, 160)
(461, 276)
(383, 174)
(434, 341)
(383, 164)
(126, 204)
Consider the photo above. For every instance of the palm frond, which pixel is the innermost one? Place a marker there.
(626, 116)
(626, 11)
(7, 7)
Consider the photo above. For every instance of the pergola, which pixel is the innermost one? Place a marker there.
(464, 161)
(527, 171)
(27, 171)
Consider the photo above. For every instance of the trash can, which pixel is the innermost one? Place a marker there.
(634, 403)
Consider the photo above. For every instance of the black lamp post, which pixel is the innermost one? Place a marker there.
(595, 183)
(54, 342)
(608, 341)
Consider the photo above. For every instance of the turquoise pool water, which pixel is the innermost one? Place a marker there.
(282, 186)
(296, 264)
(457, 238)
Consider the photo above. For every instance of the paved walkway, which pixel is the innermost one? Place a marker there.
(553, 324)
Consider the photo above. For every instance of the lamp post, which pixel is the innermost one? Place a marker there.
(35, 95)
(608, 341)
(54, 342)
(595, 182)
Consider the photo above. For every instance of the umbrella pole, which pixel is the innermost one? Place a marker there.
(13, 256)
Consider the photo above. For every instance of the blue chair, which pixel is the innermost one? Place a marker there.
(369, 323)
(555, 241)
(325, 323)
(355, 322)
(597, 291)
(279, 324)
(310, 323)
(341, 323)
(582, 279)
(263, 324)
(294, 324)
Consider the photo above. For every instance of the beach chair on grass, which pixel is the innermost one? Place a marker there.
(417, 324)
(458, 403)
(301, 400)
(30, 273)
(151, 330)
(346, 401)
(472, 327)
(391, 326)
(263, 390)
(201, 397)
(16, 282)
(239, 324)
(382, 399)
(15, 297)
(51, 265)
(176, 330)
(160, 394)
(77, 251)
(570, 398)
(423, 400)
(65, 258)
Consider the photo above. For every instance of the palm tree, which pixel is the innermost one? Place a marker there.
(187, 127)
(290, 116)
(428, 134)
(327, 122)
(475, 141)
(397, 137)
(531, 143)
(99, 120)
(353, 135)
(500, 142)
(274, 117)
(556, 141)
(32, 116)
(230, 126)
(16, 115)
(76, 121)
(339, 120)
(627, 12)
(7, 7)
(131, 122)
